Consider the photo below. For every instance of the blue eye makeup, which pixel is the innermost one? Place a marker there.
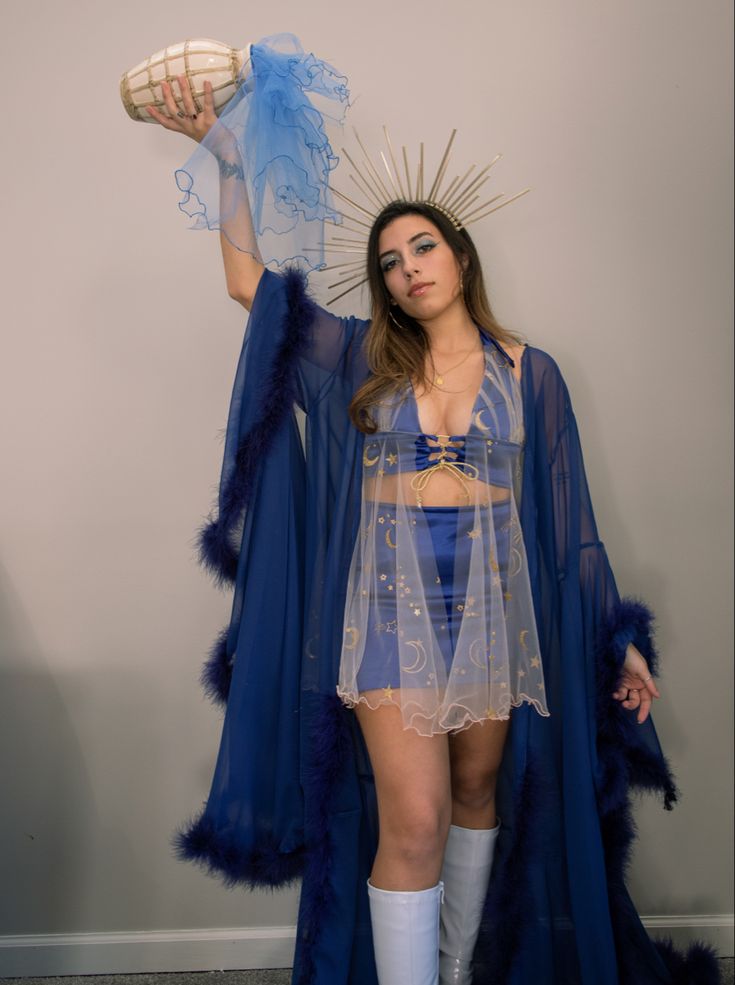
(420, 247)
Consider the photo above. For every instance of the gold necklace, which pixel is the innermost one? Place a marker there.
(439, 377)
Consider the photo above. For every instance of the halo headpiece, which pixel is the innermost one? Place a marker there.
(381, 184)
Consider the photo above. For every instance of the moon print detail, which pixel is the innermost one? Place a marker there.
(366, 460)
(421, 659)
(478, 421)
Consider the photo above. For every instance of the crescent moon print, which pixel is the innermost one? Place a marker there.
(366, 460)
(421, 657)
(387, 538)
(478, 421)
(480, 662)
(522, 638)
(351, 633)
(515, 564)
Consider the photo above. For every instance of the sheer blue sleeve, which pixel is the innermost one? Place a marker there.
(608, 622)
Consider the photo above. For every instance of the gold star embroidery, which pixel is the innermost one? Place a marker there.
(381, 519)
(474, 533)
(383, 577)
(381, 472)
(388, 692)
(521, 673)
(535, 662)
(391, 459)
(417, 612)
(541, 686)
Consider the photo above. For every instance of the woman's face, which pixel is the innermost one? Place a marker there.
(419, 269)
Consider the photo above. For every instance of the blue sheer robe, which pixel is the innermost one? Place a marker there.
(293, 793)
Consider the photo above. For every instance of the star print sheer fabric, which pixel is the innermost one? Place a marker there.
(439, 617)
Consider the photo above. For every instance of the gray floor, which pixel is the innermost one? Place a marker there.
(280, 977)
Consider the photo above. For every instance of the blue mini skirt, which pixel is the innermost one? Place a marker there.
(447, 531)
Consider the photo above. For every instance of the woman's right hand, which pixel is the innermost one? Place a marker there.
(187, 120)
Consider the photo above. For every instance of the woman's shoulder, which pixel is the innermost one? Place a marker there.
(539, 363)
(542, 364)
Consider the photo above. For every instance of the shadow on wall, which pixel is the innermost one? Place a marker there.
(67, 824)
(46, 793)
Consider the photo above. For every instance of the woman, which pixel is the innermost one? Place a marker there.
(408, 490)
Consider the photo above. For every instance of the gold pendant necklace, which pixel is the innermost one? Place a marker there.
(439, 377)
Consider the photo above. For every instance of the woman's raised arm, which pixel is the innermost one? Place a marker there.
(243, 270)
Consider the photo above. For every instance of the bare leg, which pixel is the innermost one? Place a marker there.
(414, 803)
(475, 756)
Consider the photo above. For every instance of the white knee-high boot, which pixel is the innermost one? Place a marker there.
(406, 935)
(468, 860)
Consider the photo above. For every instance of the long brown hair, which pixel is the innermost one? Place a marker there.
(396, 351)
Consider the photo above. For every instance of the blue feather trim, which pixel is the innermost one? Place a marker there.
(276, 400)
(216, 674)
(265, 867)
(624, 758)
(699, 966)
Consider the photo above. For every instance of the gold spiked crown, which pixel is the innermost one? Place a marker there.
(381, 184)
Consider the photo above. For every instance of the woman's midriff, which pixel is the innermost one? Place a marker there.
(444, 489)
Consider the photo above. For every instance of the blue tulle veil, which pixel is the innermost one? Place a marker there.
(275, 132)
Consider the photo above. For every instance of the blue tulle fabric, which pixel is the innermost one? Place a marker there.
(274, 129)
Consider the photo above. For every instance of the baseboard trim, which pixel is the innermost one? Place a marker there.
(38, 956)
(44, 955)
(715, 929)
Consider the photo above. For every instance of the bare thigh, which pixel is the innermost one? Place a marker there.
(475, 757)
(412, 780)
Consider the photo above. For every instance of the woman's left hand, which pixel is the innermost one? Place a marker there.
(636, 687)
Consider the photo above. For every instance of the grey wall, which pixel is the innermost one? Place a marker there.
(119, 345)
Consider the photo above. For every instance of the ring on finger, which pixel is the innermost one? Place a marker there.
(181, 114)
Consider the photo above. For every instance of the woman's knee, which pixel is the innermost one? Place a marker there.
(473, 787)
(416, 830)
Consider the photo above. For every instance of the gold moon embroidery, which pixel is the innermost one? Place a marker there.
(418, 665)
(366, 460)
(388, 532)
(352, 634)
(478, 421)
(522, 638)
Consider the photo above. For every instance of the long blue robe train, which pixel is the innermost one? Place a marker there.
(293, 793)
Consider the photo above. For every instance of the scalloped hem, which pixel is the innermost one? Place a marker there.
(436, 724)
